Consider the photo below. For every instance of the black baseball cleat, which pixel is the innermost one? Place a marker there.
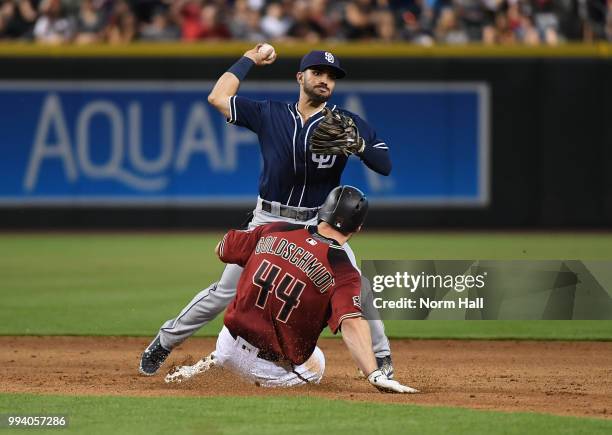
(153, 357)
(385, 365)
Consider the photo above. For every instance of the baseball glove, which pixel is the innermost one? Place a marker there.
(336, 134)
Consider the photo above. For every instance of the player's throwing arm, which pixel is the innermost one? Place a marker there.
(228, 84)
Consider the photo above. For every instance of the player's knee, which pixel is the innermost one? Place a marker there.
(351, 256)
(366, 286)
(316, 365)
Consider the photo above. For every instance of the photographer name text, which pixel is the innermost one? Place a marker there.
(428, 303)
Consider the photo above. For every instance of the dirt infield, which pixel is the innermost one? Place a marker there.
(570, 378)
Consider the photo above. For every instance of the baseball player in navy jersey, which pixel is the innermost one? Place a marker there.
(296, 281)
(293, 184)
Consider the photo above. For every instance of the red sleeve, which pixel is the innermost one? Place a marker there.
(238, 245)
(346, 299)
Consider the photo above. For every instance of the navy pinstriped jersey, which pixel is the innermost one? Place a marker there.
(291, 174)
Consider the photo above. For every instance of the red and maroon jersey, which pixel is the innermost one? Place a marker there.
(294, 283)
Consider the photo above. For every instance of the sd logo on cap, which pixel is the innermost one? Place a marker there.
(322, 58)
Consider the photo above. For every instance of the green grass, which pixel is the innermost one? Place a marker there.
(281, 415)
(128, 284)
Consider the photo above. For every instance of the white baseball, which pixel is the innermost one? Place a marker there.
(267, 51)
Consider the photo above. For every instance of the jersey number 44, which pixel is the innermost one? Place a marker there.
(288, 290)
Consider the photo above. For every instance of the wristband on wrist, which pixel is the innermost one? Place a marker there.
(241, 68)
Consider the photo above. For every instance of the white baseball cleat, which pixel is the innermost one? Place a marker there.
(184, 373)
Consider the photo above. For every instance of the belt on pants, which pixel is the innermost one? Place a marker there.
(290, 212)
(268, 356)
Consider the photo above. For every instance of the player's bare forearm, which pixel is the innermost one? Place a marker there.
(356, 336)
(226, 87)
(377, 159)
(228, 84)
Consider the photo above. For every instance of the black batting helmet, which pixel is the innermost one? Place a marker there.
(345, 209)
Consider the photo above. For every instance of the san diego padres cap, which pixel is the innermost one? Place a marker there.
(322, 58)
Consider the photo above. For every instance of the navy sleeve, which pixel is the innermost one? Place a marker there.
(376, 152)
(246, 112)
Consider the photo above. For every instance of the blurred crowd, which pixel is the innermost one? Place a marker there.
(424, 22)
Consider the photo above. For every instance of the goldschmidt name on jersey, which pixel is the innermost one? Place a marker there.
(302, 258)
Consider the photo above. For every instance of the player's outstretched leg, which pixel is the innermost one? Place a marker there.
(203, 308)
(184, 373)
(311, 372)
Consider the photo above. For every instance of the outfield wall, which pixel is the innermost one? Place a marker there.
(123, 138)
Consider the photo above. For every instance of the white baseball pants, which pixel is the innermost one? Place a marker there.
(240, 357)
